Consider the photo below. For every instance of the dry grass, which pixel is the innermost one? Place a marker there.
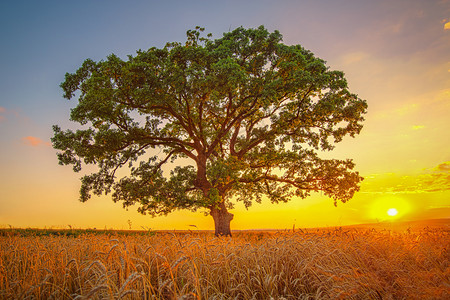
(319, 264)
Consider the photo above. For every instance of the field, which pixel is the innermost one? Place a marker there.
(334, 263)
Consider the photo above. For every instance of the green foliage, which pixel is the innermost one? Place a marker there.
(249, 112)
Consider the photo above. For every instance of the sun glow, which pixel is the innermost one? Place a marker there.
(389, 207)
(392, 212)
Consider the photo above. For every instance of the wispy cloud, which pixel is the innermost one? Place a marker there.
(34, 141)
(399, 111)
(445, 167)
(354, 57)
(2, 113)
(443, 96)
(447, 26)
(407, 109)
(7, 114)
(432, 180)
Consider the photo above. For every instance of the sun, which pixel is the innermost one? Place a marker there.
(392, 212)
(389, 208)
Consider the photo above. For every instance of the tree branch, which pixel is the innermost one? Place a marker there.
(297, 184)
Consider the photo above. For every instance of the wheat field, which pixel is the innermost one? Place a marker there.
(304, 264)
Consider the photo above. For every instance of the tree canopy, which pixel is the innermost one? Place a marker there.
(207, 122)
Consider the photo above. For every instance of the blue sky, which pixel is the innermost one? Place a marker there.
(396, 54)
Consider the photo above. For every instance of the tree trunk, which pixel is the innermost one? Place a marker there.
(222, 219)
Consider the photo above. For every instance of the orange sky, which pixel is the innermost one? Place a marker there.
(396, 56)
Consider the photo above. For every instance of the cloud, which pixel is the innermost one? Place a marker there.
(431, 180)
(401, 110)
(354, 57)
(2, 111)
(447, 26)
(6, 114)
(34, 141)
(443, 96)
(407, 109)
(444, 166)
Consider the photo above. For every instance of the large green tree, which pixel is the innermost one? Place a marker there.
(231, 119)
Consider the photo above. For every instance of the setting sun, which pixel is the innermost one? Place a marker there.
(389, 207)
(392, 212)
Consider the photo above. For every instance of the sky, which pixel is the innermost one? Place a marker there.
(395, 55)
